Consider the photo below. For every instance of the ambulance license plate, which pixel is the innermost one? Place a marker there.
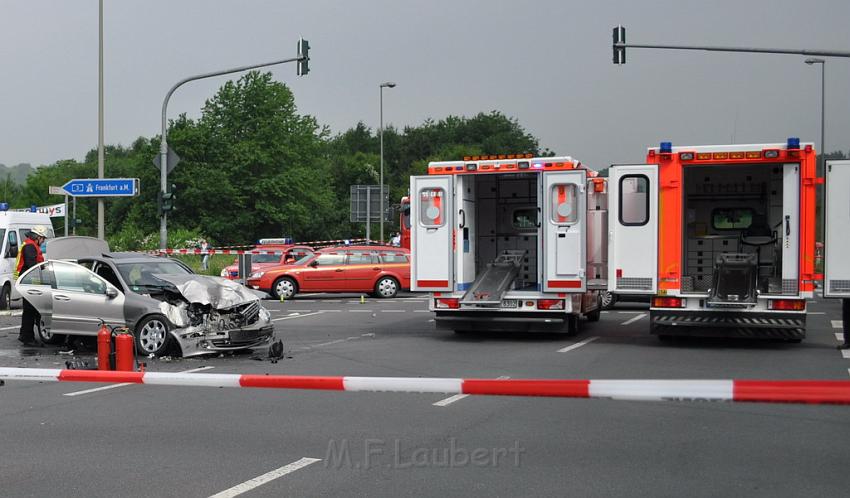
(510, 303)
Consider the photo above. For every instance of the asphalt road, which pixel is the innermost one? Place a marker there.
(170, 441)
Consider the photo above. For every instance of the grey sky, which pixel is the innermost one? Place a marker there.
(547, 63)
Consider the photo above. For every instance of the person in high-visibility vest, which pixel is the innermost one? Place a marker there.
(29, 256)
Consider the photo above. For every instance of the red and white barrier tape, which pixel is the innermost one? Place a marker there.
(768, 391)
(219, 250)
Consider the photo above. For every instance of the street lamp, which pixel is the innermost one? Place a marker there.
(302, 59)
(388, 84)
(822, 63)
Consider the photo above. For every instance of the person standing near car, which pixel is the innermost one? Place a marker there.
(29, 256)
(205, 255)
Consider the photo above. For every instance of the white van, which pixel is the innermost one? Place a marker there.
(14, 226)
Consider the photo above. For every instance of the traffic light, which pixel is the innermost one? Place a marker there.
(619, 38)
(304, 56)
(166, 200)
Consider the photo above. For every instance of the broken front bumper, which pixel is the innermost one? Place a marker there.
(231, 340)
(752, 324)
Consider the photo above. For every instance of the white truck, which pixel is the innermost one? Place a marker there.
(509, 242)
(13, 228)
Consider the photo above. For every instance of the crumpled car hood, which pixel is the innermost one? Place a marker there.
(218, 292)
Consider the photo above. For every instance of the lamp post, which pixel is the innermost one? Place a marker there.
(387, 84)
(822, 63)
(101, 232)
(163, 145)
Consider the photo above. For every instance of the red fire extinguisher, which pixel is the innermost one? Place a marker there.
(125, 357)
(104, 347)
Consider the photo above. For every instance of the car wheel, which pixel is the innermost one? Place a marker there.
(284, 287)
(47, 337)
(6, 297)
(386, 287)
(573, 324)
(608, 300)
(152, 336)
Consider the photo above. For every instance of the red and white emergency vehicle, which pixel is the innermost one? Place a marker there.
(509, 242)
(722, 237)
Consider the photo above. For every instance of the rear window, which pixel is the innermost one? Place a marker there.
(432, 207)
(391, 257)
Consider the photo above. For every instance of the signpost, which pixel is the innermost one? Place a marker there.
(366, 205)
(55, 190)
(102, 187)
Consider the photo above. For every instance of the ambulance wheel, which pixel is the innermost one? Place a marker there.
(284, 287)
(594, 315)
(6, 297)
(152, 337)
(386, 288)
(46, 337)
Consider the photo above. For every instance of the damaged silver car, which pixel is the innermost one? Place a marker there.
(159, 299)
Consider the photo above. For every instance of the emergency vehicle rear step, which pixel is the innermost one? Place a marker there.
(489, 288)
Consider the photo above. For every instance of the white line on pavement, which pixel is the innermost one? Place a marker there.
(265, 478)
(458, 397)
(632, 320)
(393, 311)
(816, 312)
(837, 324)
(296, 316)
(845, 353)
(578, 344)
(301, 311)
(11, 313)
(421, 311)
(10, 328)
(113, 386)
(839, 336)
(360, 311)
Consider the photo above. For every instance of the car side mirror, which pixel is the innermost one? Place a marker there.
(314, 264)
(111, 293)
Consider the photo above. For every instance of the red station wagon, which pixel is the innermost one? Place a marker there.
(379, 270)
(285, 254)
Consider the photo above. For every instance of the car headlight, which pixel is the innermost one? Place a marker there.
(224, 272)
(257, 274)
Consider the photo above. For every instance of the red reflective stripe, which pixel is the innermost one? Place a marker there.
(292, 382)
(101, 376)
(562, 199)
(432, 283)
(792, 391)
(438, 203)
(521, 387)
(564, 284)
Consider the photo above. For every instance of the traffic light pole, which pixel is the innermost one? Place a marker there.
(821, 53)
(163, 145)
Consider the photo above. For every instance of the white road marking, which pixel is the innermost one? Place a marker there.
(603, 312)
(332, 311)
(837, 324)
(10, 328)
(578, 344)
(632, 320)
(360, 311)
(11, 313)
(296, 316)
(422, 311)
(113, 386)
(845, 353)
(265, 478)
(458, 397)
(839, 336)
(301, 311)
(816, 312)
(393, 311)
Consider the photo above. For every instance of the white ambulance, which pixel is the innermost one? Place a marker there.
(722, 237)
(509, 242)
(14, 226)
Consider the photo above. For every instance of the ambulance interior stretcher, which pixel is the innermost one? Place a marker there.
(733, 218)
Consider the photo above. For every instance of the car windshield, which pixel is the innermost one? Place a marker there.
(265, 258)
(142, 274)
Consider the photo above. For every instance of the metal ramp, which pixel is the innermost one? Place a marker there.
(489, 288)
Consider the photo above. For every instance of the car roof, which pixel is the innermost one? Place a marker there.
(128, 257)
(365, 248)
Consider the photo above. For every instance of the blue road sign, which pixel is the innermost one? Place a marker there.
(102, 187)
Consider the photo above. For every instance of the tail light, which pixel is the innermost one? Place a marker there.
(447, 303)
(787, 304)
(550, 304)
(667, 302)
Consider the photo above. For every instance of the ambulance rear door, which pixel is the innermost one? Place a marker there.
(431, 233)
(633, 229)
(836, 278)
(564, 231)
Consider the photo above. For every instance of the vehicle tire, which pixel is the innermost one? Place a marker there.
(152, 336)
(284, 287)
(594, 315)
(6, 297)
(387, 287)
(608, 300)
(46, 337)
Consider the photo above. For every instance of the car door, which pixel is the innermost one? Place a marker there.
(398, 265)
(326, 273)
(36, 286)
(81, 299)
(361, 271)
